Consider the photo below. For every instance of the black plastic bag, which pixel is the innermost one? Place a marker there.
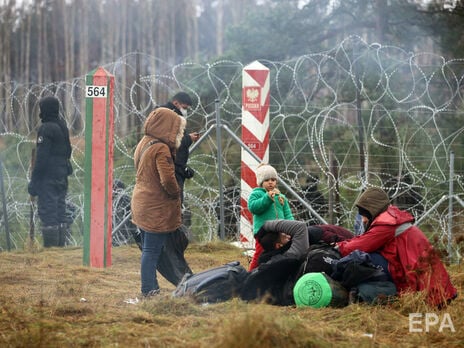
(172, 264)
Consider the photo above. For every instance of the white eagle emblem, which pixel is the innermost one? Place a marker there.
(40, 140)
(252, 94)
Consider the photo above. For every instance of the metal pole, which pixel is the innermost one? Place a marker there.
(450, 208)
(331, 188)
(219, 159)
(425, 214)
(5, 213)
(359, 119)
(138, 93)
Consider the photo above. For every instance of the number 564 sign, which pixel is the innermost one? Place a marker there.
(96, 91)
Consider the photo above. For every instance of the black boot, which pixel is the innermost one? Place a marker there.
(51, 236)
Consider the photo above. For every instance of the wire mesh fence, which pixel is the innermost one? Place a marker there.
(355, 116)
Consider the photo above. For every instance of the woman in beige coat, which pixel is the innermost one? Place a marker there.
(156, 205)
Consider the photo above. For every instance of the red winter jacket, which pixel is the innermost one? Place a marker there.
(412, 261)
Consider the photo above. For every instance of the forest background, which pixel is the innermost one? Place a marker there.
(155, 48)
(56, 40)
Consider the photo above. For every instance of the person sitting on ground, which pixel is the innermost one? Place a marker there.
(412, 262)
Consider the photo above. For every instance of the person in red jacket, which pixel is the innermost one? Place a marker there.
(413, 263)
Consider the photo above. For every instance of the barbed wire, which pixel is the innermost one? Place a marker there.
(354, 116)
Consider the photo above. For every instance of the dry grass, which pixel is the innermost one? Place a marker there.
(48, 299)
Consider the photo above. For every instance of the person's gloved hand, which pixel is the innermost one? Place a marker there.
(188, 172)
(32, 189)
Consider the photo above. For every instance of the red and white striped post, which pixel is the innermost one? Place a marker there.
(98, 180)
(255, 135)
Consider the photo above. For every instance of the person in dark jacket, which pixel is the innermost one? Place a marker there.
(410, 258)
(179, 103)
(49, 179)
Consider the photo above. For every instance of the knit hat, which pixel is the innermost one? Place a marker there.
(374, 200)
(265, 172)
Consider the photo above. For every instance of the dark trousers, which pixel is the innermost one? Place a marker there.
(51, 202)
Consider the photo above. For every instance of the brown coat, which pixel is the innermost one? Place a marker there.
(155, 204)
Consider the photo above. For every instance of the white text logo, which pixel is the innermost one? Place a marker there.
(419, 322)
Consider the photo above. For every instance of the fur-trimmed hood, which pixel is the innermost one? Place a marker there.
(165, 125)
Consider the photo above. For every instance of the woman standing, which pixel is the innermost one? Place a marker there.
(156, 203)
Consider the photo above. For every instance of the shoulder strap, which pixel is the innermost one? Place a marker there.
(401, 228)
(143, 151)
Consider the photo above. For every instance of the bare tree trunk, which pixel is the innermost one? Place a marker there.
(27, 51)
(381, 19)
(219, 27)
(22, 68)
(239, 8)
(123, 27)
(68, 15)
(55, 29)
(83, 37)
(171, 33)
(40, 42)
(68, 20)
(196, 38)
(109, 29)
(5, 66)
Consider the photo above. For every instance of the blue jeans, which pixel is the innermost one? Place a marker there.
(152, 245)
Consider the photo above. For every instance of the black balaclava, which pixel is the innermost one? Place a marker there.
(49, 109)
(50, 112)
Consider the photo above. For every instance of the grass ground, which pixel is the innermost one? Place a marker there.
(49, 299)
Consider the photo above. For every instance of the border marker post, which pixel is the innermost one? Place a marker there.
(255, 135)
(98, 178)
